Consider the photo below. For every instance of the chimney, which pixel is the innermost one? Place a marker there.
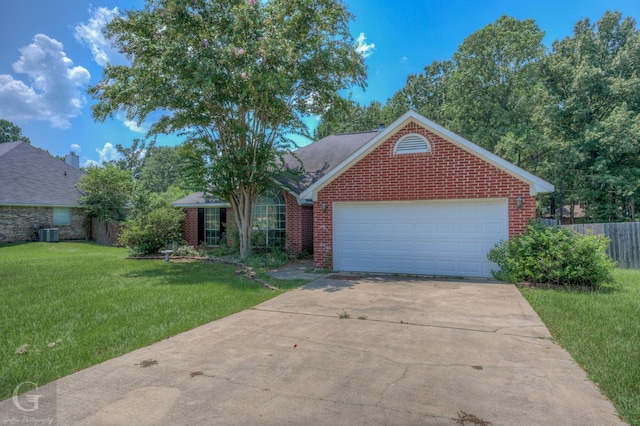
(72, 159)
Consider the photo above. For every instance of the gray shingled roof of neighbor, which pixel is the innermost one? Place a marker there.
(30, 176)
(318, 159)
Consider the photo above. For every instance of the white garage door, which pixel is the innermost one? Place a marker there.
(433, 238)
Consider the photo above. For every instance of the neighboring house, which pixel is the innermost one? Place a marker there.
(413, 198)
(38, 190)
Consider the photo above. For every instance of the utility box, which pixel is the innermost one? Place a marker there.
(49, 235)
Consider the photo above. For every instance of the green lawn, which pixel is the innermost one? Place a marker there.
(77, 304)
(601, 330)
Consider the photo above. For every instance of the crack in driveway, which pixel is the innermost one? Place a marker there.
(401, 322)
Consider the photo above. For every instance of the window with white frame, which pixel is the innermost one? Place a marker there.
(412, 144)
(269, 220)
(214, 222)
(61, 216)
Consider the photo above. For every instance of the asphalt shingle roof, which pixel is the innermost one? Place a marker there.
(320, 157)
(30, 176)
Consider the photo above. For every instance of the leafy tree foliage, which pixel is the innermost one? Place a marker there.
(9, 132)
(594, 78)
(236, 76)
(492, 84)
(346, 117)
(133, 157)
(163, 167)
(154, 223)
(106, 192)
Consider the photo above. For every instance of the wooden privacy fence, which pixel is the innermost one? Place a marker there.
(624, 247)
(105, 233)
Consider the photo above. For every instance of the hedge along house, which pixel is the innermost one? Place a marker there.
(413, 198)
(38, 190)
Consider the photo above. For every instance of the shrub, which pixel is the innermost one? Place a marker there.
(149, 232)
(553, 255)
(186, 250)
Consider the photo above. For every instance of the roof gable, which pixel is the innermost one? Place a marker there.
(536, 185)
(32, 177)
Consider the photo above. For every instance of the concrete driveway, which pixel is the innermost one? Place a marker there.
(425, 352)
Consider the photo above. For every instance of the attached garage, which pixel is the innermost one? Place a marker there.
(450, 237)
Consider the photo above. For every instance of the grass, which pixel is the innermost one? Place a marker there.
(68, 306)
(601, 331)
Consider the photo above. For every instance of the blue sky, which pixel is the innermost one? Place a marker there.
(53, 50)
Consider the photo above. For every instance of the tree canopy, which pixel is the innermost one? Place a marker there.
(236, 77)
(9, 132)
(106, 191)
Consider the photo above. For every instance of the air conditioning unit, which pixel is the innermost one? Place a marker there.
(49, 235)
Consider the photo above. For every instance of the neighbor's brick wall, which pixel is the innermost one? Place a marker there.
(16, 223)
(446, 172)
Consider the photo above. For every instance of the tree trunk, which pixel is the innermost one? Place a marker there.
(242, 204)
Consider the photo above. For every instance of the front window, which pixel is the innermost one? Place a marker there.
(269, 220)
(214, 222)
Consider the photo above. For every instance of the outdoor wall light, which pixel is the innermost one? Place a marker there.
(519, 203)
(324, 207)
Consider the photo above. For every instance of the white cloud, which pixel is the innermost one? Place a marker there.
(90, 163)
(404, 59)
(108, 153)
(90, 33)
(131, 124)
(75, 147)
(55, 92)
(364, 49)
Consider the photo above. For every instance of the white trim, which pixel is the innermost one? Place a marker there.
(536, 185)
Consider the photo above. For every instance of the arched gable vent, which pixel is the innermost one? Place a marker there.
(412, 144)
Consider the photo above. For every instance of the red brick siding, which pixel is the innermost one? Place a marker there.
(446, 172)
(299, 225)
(190, 227)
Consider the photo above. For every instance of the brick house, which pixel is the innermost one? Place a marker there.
(38, 190)
(412, 198)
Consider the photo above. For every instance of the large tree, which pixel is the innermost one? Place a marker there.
(9, 132)
(106, 191)
(594, 80)
(163, 167)
(492, 90)
(236, 76)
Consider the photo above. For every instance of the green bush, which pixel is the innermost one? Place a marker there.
(186, 250)
(152, 231)
(553, 255)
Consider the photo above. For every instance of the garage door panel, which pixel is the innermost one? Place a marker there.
(434, 238)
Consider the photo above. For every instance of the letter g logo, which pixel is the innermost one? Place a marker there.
(31, 399)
